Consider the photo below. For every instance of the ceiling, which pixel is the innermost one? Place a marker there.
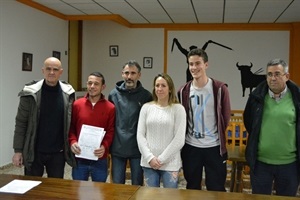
(175, 11)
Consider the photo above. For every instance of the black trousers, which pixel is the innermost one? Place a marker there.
(284, 178)
(54, 163)
(195, 159)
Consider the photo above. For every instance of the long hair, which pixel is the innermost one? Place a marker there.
(172, 93)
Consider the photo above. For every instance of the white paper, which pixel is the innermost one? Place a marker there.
(19, 186)
(90, 139)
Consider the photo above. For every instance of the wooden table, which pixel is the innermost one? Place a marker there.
(52, 188)
(236, 154)
(144, 193)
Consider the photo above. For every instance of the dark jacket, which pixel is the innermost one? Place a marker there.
(128, 104)
(253, 118)
(27, 120)
(222, 108)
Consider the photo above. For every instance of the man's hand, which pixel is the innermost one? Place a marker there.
(17, 159)
(99, 152)
(75, 148)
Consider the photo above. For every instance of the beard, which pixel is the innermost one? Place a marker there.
(130, 84)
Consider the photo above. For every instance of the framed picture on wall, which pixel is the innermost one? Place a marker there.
(148, 62)
(27, 62)
(113, 50)
(56, 54)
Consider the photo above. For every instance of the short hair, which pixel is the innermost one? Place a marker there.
(132, 63)
(172, 92)
(278, 61)
(198, 52)
(98, 74)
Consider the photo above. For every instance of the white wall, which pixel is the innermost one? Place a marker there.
(24, 29)
(134, 44)
(257, 47)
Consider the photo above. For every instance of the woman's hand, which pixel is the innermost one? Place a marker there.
(155, 163)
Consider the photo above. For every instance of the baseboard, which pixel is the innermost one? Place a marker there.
(6, 166)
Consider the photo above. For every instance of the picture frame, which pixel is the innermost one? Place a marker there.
(113, 50)
(27, 61)
(56, 54)
(148, 62)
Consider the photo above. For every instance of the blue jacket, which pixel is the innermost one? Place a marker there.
(253, 118)
(128, 104)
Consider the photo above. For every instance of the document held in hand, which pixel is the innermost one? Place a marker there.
(90, 139)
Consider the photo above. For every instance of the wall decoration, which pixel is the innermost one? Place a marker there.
(185, 52)
(27, 62)
(236, 60)
(248, 78)
(56, 54)
(113, 50)
(148, 62)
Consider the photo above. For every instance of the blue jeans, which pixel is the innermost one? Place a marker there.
(53, 162)
(285, 177)
(119, 170)
(96, 168)
(153, 177)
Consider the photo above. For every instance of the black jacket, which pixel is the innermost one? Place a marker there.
(253, 118)
(28, 116)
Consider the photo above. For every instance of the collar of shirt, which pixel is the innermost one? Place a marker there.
(281, 95)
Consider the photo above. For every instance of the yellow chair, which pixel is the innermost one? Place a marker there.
(236, 135)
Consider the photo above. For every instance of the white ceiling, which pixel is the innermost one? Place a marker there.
(183, 11)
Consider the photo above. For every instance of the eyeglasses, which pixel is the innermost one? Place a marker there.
(276, 75)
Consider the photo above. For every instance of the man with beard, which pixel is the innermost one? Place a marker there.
(128, 97)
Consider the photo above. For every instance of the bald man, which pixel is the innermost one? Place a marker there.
(42, 124)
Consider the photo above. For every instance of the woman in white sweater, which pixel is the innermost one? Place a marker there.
(161, 134)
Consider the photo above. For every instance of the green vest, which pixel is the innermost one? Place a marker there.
(277, 139)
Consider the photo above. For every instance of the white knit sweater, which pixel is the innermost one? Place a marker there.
(161, 133)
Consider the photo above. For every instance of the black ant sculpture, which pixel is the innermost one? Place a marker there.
(185, 52)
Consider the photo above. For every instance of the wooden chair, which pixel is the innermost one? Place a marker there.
(236, 135)
(109, 168)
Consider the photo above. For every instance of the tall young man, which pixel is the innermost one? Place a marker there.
(207, 106)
